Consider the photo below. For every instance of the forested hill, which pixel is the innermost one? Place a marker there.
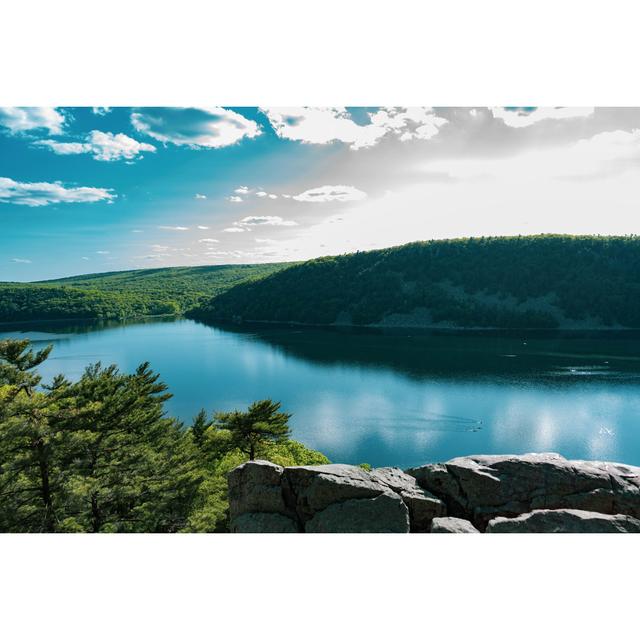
(123, 294)
(544, 281)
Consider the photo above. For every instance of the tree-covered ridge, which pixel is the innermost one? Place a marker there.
(124, 294)
(524, 281)
(100, 454)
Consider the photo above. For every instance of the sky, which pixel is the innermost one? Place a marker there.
(94, 189)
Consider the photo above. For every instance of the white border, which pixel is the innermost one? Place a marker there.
(363, 52)
(331, 52)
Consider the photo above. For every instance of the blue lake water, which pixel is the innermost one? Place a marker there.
(401, 398)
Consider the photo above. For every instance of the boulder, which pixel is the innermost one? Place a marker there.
(564, 521)
(452, 525)
(313, 488)
(255, 487)
(423, 506)
(386, 513)
(263, 523)
(480, 488)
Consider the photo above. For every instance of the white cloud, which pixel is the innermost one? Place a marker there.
(213, 128)
(208, 240)
(242, 190)
(136, 231)
(233, 230)
(201, 226)
(103, 145)
(331, 193)
(262, 194)
(234, 199)
(169, 228)
(159, 247)
(38, 194)
(200, 196)
(273, 196)
(275, 221)
(64, 148)
(21, 260)
(526, 116)
(101, 111)
(19, 119)
(84, 258)
(413, 123)
(322, 125)
(103, 253)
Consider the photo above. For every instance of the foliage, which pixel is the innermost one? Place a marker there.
(123, 294)
(99, 454)
(525, 281)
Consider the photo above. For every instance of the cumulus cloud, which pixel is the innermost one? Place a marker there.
(200, 196)
(101, 111)
(103, 253)
(202, 226)
(322, 125)
(213, 128)
(233, 230)
(331, 193)
(170, 228)
(274, 221)
(413, 123)
(38, 194)
(103, 145)
(208, 240)
(21, 260)
(527, 116)
(245, 191)
(20, 119)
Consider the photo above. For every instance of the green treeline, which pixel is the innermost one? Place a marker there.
(100, 454)
(124, 294)
(531, 281)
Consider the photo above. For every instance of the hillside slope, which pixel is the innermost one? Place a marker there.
(542, 281)
(123, 294)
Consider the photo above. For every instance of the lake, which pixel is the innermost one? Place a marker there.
(396, 398)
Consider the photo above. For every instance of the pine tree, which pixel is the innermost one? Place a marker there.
(30, 475)
(263, 422)
(199, 426)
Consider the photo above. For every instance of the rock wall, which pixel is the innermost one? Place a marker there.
(492, 494)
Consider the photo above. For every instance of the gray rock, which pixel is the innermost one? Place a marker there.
(452, 525)
(386, 513)
(314, 488)
(263, 523)
(255, 487)
(480, 488)
(564, 521)
(423, 506)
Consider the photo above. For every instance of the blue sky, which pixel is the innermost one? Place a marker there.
(97, 189)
